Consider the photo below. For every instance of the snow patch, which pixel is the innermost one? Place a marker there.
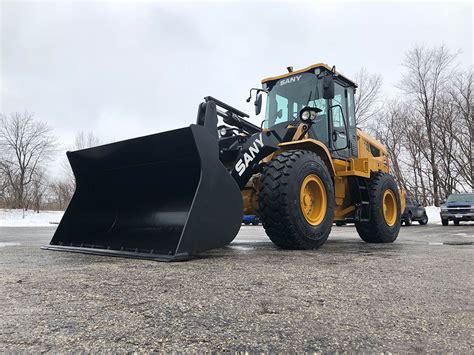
(2, 245)
(14, 218)
(433, 214)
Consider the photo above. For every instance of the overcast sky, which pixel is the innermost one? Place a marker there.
(130, 69)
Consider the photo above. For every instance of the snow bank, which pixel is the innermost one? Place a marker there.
(433, 214)
(14, 218)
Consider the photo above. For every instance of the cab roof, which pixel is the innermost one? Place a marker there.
(309, 69)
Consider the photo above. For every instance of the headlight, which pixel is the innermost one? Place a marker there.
(308, 114)
(305, 116)
(223, 132)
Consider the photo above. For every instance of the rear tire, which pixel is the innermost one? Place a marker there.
(424, 220)
(408, 220)
(291, 219)
(378, 230)
(444, 221)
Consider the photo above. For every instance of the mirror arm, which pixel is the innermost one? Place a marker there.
(257, 91)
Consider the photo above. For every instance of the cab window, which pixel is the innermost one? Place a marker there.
(281, 109)
(350, 107)
(337, 113)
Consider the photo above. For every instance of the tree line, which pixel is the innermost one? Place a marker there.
(27, 147)
(428, 131)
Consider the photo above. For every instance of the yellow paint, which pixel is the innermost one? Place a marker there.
(340, 213)
(313, 200)
(314, 146)
(340, 169)
(389, 208)
(321, 65)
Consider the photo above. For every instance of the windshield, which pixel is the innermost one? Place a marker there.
(461, 198)
(290, 95)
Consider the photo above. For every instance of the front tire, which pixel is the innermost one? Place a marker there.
(385, 216)
(456, 222)
(424, 220)
(296, 200)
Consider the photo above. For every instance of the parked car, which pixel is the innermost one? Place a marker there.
(251, 219)
(414, 211)
(458, 207)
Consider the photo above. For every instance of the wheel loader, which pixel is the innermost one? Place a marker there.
(172, 195)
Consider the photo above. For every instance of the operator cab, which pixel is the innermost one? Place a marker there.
(320, 87)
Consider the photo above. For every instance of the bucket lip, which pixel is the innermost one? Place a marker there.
(119, 253)
(69, 152)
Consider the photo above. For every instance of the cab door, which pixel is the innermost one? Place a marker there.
(343, 132)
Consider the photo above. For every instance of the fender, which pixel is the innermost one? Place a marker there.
(315, 146)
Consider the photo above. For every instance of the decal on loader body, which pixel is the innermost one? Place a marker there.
(249, 156)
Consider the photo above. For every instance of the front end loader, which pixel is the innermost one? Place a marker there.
(172, 195)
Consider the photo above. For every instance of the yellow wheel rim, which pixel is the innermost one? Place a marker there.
(389, 207)
(313, 199)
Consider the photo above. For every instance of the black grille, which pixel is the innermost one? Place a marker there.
(459, 211)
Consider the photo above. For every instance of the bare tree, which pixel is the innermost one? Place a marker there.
(64, 189)
(427, 73)
(461, 95)
(85, 140)
(37, 190)
(61, 193)
(390, 131)
(367, 98)
(25, 146)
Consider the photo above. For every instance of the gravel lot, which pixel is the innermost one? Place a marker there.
(413, 296)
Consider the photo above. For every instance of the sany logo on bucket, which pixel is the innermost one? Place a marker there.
(254, 149)
(292, 79)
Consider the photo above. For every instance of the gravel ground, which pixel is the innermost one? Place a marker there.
(414, 295)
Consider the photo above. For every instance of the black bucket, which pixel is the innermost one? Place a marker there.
(165, 196)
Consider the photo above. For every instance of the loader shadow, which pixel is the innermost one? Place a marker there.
(334, 247)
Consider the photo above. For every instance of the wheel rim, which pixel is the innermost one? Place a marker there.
(313, 200)
(389, 207)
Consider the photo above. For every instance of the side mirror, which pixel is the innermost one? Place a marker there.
(258, 104)
(328, 87)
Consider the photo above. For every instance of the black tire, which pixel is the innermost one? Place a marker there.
(377, 230)
(456, 222)
(424, 220)
(254, 223)
(279, 200)
(444, 221)
(246, 223)
(408, 220)
(339, 224)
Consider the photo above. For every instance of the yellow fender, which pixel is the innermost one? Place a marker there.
(314, 146)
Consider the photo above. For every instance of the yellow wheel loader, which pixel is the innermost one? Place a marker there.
(171, 195)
